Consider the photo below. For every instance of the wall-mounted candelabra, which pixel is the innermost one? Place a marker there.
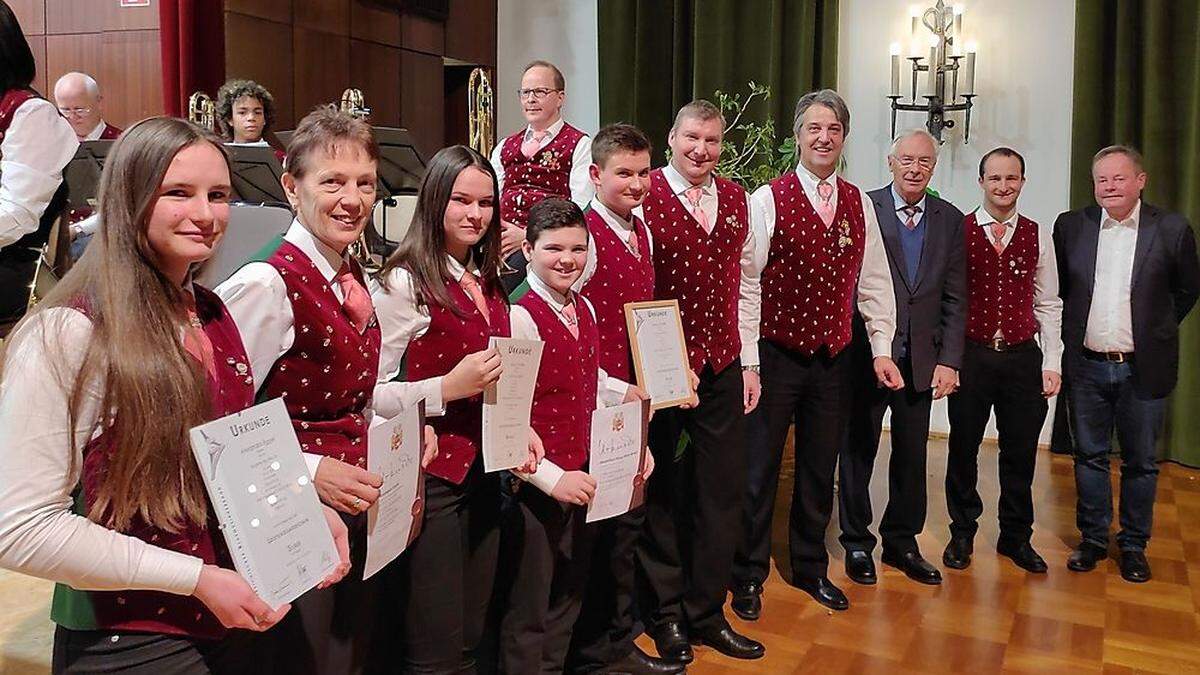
(944, 77)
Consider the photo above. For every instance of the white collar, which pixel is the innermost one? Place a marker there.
(983, 217)
(680, 185)
(327, 261)
(1131, 220)
(810, 180)
(457, 269)
(553, 129)
(260, 143)
(614, 221)
(97, 132)
(556, 300)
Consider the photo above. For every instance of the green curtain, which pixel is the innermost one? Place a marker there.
(1137, 81)
(657, 55)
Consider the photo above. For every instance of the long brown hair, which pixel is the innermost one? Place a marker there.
(423, 250)
(153, 391)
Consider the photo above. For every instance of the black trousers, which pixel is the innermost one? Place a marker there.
(16, 272)
(605, 630)
(451, 568)
(814, 393)
(330, 630)
(904, 516)
(553, 551)
(105, 651)
(1011, 383)
(694, 506)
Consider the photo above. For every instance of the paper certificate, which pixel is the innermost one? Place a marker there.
(394, 449)
(618, 458)
(659, 351)
(267, 506)
(508, 402)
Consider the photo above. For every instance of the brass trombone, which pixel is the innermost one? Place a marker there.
(353, 103)
(202, 111)
(481, 112)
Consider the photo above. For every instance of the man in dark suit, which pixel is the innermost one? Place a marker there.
(1128, 275)
(923, 238)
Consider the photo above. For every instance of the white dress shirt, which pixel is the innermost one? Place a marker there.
(96, 132)
(40, 534)
(257, 299)
(876, 296)
(1047, 305)
(582, 189)
(609, 390)
(37, 146)
(621, 228)
(1110, 318)
(748, 283)
(896, 199)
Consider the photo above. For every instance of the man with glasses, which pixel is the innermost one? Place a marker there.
(78, 99)
(924, 242)
(548, 158)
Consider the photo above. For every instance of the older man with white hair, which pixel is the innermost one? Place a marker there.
(78, 98)
(924, 242)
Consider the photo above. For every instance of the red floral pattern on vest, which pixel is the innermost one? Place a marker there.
(1000, 286)
(529, 180)
(619, 278)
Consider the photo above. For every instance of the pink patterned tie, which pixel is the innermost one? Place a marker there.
(632, 243)
(572, 318)
(471, 285)
(825, 205)
(693, 195)
(998, 230)
(195, 340)
(534, 143)
(910, 211)
(356, 299)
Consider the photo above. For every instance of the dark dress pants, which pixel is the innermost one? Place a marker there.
(105, 651)
(1103, 396)
(451, 569)
(694, 506)
(1009, 382)
(904, 516)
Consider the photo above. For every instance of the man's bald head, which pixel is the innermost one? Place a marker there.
(78, 98)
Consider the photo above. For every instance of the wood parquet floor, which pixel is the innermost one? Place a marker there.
(990, 618)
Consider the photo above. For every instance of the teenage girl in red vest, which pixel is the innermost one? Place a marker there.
(439, 304)
(101, 384)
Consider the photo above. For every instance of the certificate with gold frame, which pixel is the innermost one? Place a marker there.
(660, 357)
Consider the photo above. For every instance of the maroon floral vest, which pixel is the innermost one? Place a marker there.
(619, 278)
(529, 180)
(1000, 286)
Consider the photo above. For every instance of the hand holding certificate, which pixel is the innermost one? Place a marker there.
(507, 404)
(618, 459)
(659, 351)
(260, 490)
(394, 450)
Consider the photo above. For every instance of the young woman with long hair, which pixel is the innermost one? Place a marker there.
(439, 303)
(101, 384)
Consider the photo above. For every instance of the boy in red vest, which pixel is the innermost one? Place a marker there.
(1012, 297)
(554, 541)
(548, 158)
(619, 270)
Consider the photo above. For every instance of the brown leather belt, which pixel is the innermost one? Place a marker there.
(1110, 357)
(1002, 345)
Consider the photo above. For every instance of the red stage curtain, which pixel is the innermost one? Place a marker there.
(193, 50)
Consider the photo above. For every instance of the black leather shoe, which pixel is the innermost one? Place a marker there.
(860, 567)
(1085, 558)
(914, 567)
(1024, 556)
(638, 662)
(1135, 567)
(747, 600)
(823, 591)
(729, 642)
(958, 553)
(671, 641)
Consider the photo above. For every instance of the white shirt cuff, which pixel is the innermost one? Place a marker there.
(545, 478)
(881, 346)
(749, 353)
(312, 460)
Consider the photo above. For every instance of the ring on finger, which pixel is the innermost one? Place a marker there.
(357, 503)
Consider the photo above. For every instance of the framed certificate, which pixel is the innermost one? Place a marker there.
(659, 351)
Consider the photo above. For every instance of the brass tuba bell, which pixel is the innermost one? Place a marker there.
(481, 112)
(202, 111)
(353, 103)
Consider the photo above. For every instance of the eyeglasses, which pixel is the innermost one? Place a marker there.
(923, 162)
(536, 94)
(77, 112)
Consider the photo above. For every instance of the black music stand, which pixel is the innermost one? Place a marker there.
(256, 174)
(82, 174)
(401, 169)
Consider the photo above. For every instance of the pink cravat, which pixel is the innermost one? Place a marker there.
(998, 236)
(471, 285)
(195, 340)
(356, 299)
(533, 143)
(633, 245)
(693, 195)
(572, 318)
(825, 204)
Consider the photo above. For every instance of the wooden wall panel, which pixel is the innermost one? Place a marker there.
(471, 31)
(78, 16)
(329, 16)
(420, 34)
(262, 51)
(376, 71)
(31, 14)
(322, 69)
(374, 23)
(41, 83)
(127, 65)
(279, 11)
(421, 104)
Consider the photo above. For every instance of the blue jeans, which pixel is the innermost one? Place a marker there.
(1102, 395)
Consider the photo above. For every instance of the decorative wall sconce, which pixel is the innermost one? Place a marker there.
(948, 81)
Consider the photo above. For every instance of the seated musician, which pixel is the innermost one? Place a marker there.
(246, 113)
(78, 98)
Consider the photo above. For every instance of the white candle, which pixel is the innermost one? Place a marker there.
(914, 13)
(958, 12)
(895, 68)
(931, 76)
(968, 86)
